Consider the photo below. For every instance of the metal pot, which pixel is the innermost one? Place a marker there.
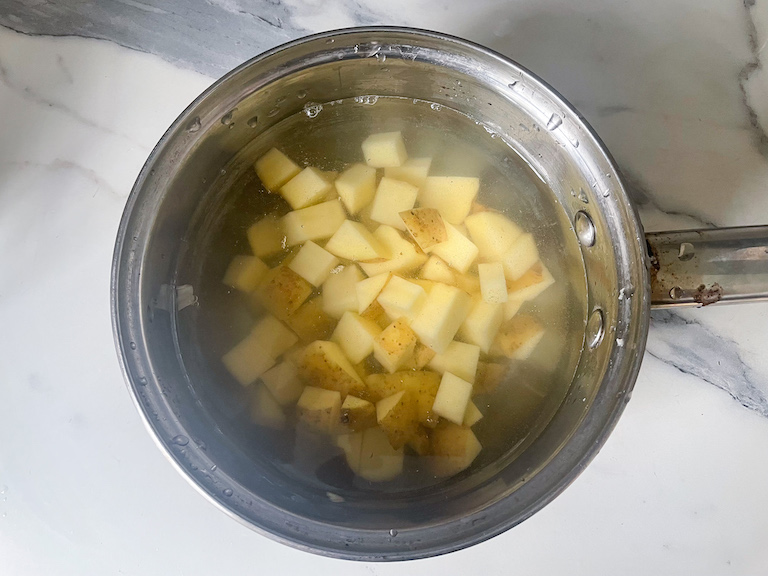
(149, 300)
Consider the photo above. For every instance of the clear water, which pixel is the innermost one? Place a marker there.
(328, 136)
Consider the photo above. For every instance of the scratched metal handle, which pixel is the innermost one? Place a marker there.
(701, 267)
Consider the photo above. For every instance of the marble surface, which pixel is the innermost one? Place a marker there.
(678, 91)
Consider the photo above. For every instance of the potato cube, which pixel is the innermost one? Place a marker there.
(404, 256)
(245, 272)
(376, 314)
(265, 410)
(482, 324)
(282, 291)
(392, 197)
(310, 322)
(520, 257)
(323, 365)
(384, 150)
(457, 251)
(454, 448)
(459, 359)
(282, 381)
(314, 222)
(355, 335)
(530, 284)
(414, 171)
(401, 298)
(472, 416)
(492, 233)
(421, 356)
(451, 195)
(368, 290)
(379, 462)
(339, 292)
(266, 236)
(441, 316)
(468, 282)
(356, 187)
(358, 414)
(518, 337)
(493, 285)
(319, 409)
(425, 225)
(353, 241)
(437, 270)
(258, 351)
(397, 415)
(452, 398)
(352, 445)
(489, 376)
(394, 346)
(308, 187)
(422, 386)
(314, 264)
(419, 442)
(275, 169)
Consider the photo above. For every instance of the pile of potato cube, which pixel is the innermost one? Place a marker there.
(392, 302)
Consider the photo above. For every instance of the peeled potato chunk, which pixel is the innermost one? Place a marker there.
(482, 324)
(414, 171)
(368, 290)
(493, 285)
(379, 462)
(401, 298)
(319, 408)
(283, 383)
(437, 270)
(310, 186)
(275, 169)
(358, 414)
(266, 236)
(422, 385)
(425, 225)
(244, 273)
(441, 316)
(472, 416)
(457, 250)
(314, 264)
(392, 197)
(403, 255)
(258, 351)
(353, 241)
(339, 292)
(397, 416)
(310, 322)
(265, 410)
(356, 187)
(384, 150)
(451, 195)
(314, 222)
(492, 233)
(324, 365)
(395, 345)
(355, 335)
(452, 398)
(459, 359)
(522, 254)
(518, 337)
(454, 448)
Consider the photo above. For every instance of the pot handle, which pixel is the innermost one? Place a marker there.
(701, 267)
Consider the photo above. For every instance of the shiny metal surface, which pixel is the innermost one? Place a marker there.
(703, 267)
(155, 233)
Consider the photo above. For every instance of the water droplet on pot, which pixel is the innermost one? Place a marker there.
(133, 345)
(227, 492)
(142, 381)
(393, 532)
(301, 94)
(214, 468)
(312, 109)
(554, 122)
(274, 112)
(436, 107)
(253, 122)
(180, 440)
(194, 125)
(227, 118)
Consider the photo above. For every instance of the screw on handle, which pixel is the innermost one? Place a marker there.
(702, 267)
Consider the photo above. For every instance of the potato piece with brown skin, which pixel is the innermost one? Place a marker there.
(489, 376)
(419, 442)
(319, 409)
(421, 356)
(376, 313)
(323, 365)
(425, 225)
(394, 346)
(423, 385)
(282, 292)
(453, 449)
(397, 416)
(518, 337)
(310, 322)
(357, 414)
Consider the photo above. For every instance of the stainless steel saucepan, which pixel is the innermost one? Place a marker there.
(627, 272)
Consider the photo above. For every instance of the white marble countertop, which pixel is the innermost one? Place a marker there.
(676, 89)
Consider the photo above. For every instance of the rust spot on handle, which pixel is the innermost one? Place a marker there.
(706, 296)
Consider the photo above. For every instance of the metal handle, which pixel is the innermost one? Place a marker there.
(701, 267)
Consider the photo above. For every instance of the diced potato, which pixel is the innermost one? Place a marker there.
(511, 307)
(294, 353)
(493, 285)
(282, 381)
(323, 365)
(425, 225)
(319, 408)
(459, 359)
(331, 176)
(414, 171)
(421, 357)
(245, 272)
(437, 270)
(401, 298)
(314, 222)
(376, 313)
(355, 335)
(265, 410)
(419, 442)
(472, 416)
(308, 187)
(394, 346)
(482, 324)
(397, 417)
(356, 187)
(520, 257)
(452, 398)
(454, 448)
(314, 264)
(368, 290)
(441, 316)
(282, 291)
(352, 444)
(468, 282)
(379, 462)
(310, 322)
(489, 376)
(457, 251)
(353, 241)
(358, 414)
(275, 169)
(384, 150)
(518, 337)
(527, 287)
(392, 197)
(451, 195)
(492, 233)
(266, 236)
(339, 292)
(422, 385)
(404, 255)
(427, 285)
(258, 351)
